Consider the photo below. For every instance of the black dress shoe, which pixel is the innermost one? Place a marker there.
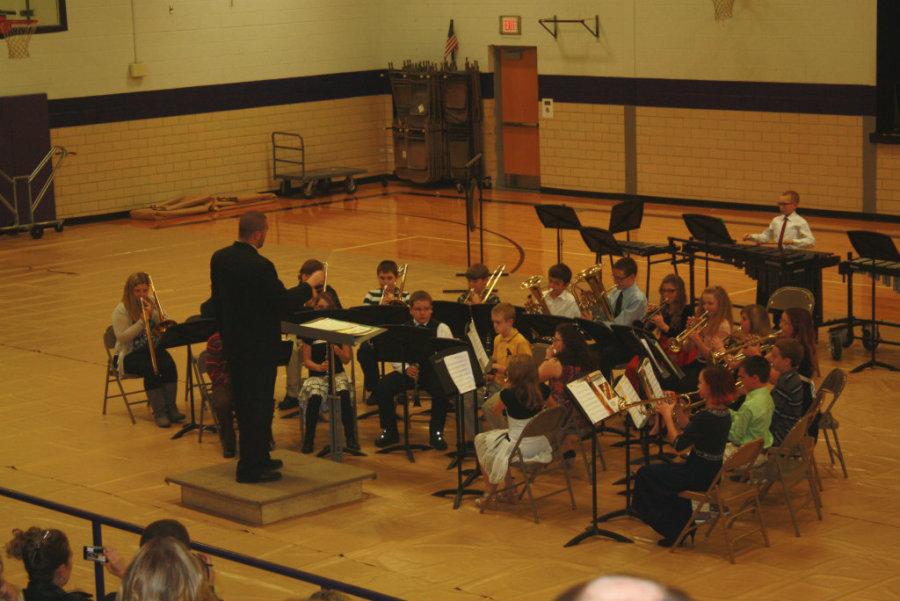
(437, 442)
(264, 476)
(274, 464)
(387, 438)
(371, 400)
(288, 402)
(228, 453)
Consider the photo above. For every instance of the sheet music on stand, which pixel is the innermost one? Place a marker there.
(341, 327)
(483, 360)
(595, 396)
(648, 376)
(459, 368)
(625, 390)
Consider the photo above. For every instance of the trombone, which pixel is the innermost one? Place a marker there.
(534, 302)
(397, 295)
(148, 306)
(489, 288)
(736, 352)
(677, 343)
(594, 299)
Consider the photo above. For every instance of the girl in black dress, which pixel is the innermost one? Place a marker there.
(656, 488)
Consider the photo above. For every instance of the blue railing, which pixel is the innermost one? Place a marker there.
(98, 521)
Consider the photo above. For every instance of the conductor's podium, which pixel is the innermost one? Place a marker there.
(309, 484)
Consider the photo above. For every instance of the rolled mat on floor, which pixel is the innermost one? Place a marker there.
(197, 205)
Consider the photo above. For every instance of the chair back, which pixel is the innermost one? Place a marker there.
(109, 339)
(788, 297)
(834, 383)
(794, 439)
(549, 423)
(744, 458)
(201, 361)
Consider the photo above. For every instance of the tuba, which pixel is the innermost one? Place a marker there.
(735, 352)
(677, 343)
(534, 302)
(396, 297)
(590, 293)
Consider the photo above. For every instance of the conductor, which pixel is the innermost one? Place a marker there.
(250, 300)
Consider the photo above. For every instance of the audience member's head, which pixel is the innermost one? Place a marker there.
(45, 553)
(162, 528)
(165, 570)
(622, 588)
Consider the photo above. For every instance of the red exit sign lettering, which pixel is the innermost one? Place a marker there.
(510, 25)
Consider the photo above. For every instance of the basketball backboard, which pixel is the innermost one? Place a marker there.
(50, 14)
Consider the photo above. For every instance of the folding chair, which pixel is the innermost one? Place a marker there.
(549, 423)
(732, 499)
(790, 464)
(112, 375)
(788, 297)
(834, 383)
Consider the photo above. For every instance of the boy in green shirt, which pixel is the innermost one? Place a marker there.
(753, 419)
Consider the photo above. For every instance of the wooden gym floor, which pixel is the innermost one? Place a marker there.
(56, 299)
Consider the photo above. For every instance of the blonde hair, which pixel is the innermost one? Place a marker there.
(504, 310)
(758, 318)
(131, 304)
(165, 570)
(724, 312)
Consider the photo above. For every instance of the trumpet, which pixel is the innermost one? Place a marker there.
(677, 343)
(736, 352)
(534, 302)
(489, 288)
(396, 297)
(594, 299)
(648, 317)
(689, 401)
(153, 332)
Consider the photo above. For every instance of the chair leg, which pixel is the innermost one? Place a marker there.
(584, 458)
(686, 528)
(839, 452)
(814, 493)
(726, 529)
(762, 522)
(828, 445)
(528, 480)
(125, 399)
(787, 501)
(569, 484)
(105, 392)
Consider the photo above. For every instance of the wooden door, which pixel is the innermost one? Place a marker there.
(518, 123)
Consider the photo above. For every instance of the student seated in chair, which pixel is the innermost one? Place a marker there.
(423, 376)
(559, 300)
(753, 419)
(792, 395)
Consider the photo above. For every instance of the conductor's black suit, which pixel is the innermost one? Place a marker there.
(249, 301)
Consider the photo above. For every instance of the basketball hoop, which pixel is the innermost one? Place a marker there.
(17, 33)
(723, 9)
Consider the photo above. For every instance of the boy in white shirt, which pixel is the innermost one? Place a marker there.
(788, 229)
(559, 300)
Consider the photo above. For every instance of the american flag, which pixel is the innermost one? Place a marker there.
(452, 44)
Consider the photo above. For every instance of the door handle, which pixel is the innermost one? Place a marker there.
(520, 124)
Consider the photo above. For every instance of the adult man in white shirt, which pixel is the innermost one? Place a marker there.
(559, 300)
(788, 230)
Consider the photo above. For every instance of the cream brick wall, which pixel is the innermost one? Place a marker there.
(748, 157)
(887, 190)
(120, 166)
(583, 148)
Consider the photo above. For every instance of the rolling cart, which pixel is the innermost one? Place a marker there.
(289, 166)
(18, 183)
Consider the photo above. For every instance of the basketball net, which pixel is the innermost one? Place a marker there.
(723, 9)
(17, 34)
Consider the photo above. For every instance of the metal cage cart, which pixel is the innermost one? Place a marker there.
(19, 183)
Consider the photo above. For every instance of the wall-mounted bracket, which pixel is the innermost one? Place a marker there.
(584, 22)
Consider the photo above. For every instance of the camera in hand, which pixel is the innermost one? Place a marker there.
(94, 554)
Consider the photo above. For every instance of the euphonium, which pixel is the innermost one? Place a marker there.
(735, 352)
(594, 299)
(534, 302)
(688, 401)
(396, 297)
(677, 343)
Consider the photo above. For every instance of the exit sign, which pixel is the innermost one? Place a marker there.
(510, 25)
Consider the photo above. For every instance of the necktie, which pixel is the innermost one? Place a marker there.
(618, 308)
(781, 235)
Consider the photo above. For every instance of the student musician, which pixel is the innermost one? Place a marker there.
(788, 229)
(508, 343)
(797, 324)
(292, 371)
(656, 488)
(627, 300)
(478, 275)
(714, 301)
(754, 417)
(394, 383)
(674, 310)
(523, 400)
(791, 394)
(568, 358)
(315, 387)
(132, 354)
(388, 273)
(559, 300)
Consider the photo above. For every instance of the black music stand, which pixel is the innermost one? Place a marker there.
(873, 246)
(710, 230)
(406, 345)
(455, 315)
(451, 388)
(316, 329)
(473, 184)
(626, 216)
(601, 242)
(592, 529)
(558, 217)
(186, 334)
(481, 317)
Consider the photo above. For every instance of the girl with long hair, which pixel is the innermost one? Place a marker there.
(523, 400)
(798, 324)
(48, 561)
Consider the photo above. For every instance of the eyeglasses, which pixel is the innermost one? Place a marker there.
(667, 290)
(784, 204)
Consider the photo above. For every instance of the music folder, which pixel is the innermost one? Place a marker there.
(630, 395)
(456, 367)
(595, 397)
